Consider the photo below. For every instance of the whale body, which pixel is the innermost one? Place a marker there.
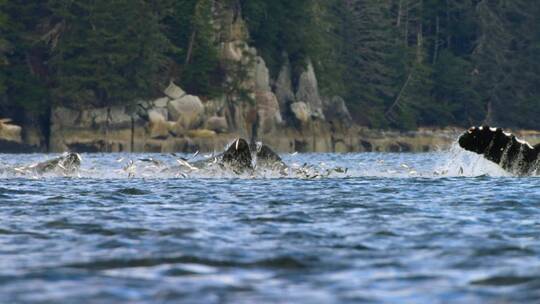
(504, 149)
(241, 157)
(66, 164)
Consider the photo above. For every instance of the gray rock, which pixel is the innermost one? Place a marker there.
(233, 50)
(158, 114)
(64, 117)
(217, 124)
(301, 111)
(283, 86)
(144, 104)
(262, 75)
(335, 109)
(308, 92)
(119, 118)
(10, 132)
(268, 110)
(174, 92)
(161, 102)
(188, 111)
(99, 116)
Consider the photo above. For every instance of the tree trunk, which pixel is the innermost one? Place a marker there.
(407, 23)
(190, 47)
(436, 44)
(400, 7)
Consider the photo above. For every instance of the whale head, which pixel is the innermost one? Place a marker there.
(506, 150)
(481, 139)
(238, 155)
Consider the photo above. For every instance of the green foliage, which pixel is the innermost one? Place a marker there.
(4, 46)
(397, 63)
(373, 60)
(22, 57)
(298, 28)
(110, 51)
(195, 57)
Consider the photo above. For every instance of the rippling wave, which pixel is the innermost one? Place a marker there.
(404, 228)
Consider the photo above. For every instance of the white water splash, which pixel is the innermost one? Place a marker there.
(454, 162)
(459, 162)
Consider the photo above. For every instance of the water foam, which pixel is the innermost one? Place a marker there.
(454, 162)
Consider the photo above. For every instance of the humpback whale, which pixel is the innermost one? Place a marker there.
(504, 149)
(242, 157)
(66, 164)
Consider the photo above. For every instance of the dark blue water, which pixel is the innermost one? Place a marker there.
(402, 228)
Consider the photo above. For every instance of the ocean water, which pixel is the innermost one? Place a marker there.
(401, 228)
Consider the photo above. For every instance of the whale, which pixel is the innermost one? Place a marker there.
(512, 154)
(66, 164)
(241, 157)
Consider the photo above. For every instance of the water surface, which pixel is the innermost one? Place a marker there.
(416, 228)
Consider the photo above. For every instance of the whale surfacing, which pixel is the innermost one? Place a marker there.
(241, 157)
(504, 149)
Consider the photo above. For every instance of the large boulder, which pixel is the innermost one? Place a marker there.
(163, 112)
(217, 124)
(162, 102)
(308, 92)
(174, 92)
(188, 111)
(119, 118)
(155, 115)
(9, 131)
(159, 127)
(301, 111)
(215, 106)
(98, 117)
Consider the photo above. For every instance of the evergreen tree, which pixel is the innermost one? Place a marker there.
(374, 63)
(195, 59)
(24, 56)
(398, 63)
(4, 46)
(109, 52)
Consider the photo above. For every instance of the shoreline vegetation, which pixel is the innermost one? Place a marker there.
(306, 75)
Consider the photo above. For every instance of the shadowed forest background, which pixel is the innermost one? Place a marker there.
(397, 63)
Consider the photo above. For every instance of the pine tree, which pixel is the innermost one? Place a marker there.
(202, 61)
(4, 46)
(24, 55)
(110, 51)
(374, 61)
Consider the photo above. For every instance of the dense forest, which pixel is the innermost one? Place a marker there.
(397, 63)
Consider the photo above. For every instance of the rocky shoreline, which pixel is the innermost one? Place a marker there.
(111, 130)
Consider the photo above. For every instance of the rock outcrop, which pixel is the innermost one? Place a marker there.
(283, 87)
(10, 132)
(187, 111)
(174, 92)
(217, 124)
(336, 110)
(308, 92)
(301, 112)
